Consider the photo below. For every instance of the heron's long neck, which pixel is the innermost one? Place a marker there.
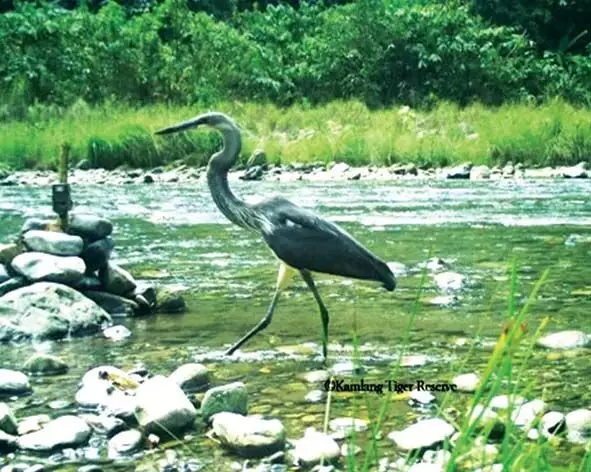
(235, 209)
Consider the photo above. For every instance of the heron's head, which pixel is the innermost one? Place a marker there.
(216, 120)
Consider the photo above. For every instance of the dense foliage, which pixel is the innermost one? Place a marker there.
(377, 51)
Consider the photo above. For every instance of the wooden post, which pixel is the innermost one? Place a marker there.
(63, 179)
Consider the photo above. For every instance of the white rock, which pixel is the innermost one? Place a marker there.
(502, 402)
(440, 457)
(344, 427)
(421, 397)
(154, 414)
(479, 172)
(526, 414)
(449, 281)
(8, 422)
(316, 376)
(467, 382)
(64, 431)
(116, 333)
(249, 436)
(339, 168)
(552, 423)
(423, 434)
(13, 382)
(565, 340)
(579, 421)
(37, 266)
(314, 447)
(52, 242)
(125, 442)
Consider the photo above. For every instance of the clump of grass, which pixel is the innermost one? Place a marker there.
(110, 135)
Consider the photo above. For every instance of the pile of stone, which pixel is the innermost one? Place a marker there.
(55, 283)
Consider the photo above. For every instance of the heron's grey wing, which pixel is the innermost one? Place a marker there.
(306, 241)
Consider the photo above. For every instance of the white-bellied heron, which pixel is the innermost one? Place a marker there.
(302, 241)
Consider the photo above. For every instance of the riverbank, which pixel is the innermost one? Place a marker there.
(554, 134)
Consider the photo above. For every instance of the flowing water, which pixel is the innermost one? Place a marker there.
(174, 235)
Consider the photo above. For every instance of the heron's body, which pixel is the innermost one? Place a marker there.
(303, 241)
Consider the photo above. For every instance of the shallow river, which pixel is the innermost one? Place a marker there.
(174, 235)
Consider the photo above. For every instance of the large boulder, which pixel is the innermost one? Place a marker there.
(64, 431)
(47, 310)
(89, 226)
(38, 266)
(53, 242)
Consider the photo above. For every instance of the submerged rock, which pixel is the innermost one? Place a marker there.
(47, 310)
(64, 431)
(249, 436)
(13, 382)
(116, 333)
(423, 434)
(53, 242)
(232, 398)
(37, 266)
(155, 415)
(565, 340)
(45, 364)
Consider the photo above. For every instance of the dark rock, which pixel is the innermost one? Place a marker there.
(253, 173)
(104, 425)
(83, 164)
(39, 224)
(117, 280)
(88, 282)
(9, 181)
(115, 305)
(3, 274)
(97, 254)
(90, 226)
(12, 284)
(8, 442)
(148, 179)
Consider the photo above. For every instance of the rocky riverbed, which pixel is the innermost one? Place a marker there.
(258, 169)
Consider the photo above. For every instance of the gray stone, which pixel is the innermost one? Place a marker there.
(504, 402)
(117, 280)
(62, 432)
(249, 436)
(115, 305)
(148, 179)
(13, 382)
(253, 173)
(96, 390)
(314, 447)
(158, 416)
(191, 377)
(45, 364)
(33, 423)
(105, 425)
(8, 422)
(423, 434)
(125, 442)
(315, 396)
(12, 284)
(49, 311)
(170, 301)
(53, 242)
(467, 382)
(232, 398)
(316, 376)
(90, 226)
(37, 266)
(96, 254)
(40, 224)
(565, 340)
(488, 421)
(116, 333)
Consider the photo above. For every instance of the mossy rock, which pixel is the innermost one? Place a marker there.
(45, 364)
(168, 301)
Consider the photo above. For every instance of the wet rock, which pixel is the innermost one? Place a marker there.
(467, 382)
(53, 242)
(4, 276)
(45, 364)
(435, 264)
(578, 425)
(575, 172)
(503, 402)
(8, 422)
(8, 252)
(488, 421)
(191, 377)
(33, 423)
(37, 266)
(344, 427)
(253, 173)
(423, 434)
(89, 226)
(39, 224)
(147, 291)
(315, 396)
(13, 382)
(249, 436)
(565, 340)
(96, 254)
(459, 172)
(170, 301)
(117, 280)
(526, 414)
(12, 284)
(125, 442)
(59, 404)
(90, 468)
(148, 179)
(449, 281)
(314, 447)
(257, 158)
(479, 173)
(50, 311)
(115, 305)
(232, 398)
(105, 425)
(8, 442)
(155, 415)
(63, 431)
(96, 389)
(553, 423)
(116, 333)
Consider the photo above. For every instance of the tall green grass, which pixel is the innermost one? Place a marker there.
(111, 135)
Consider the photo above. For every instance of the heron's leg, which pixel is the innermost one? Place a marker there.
(307, 276)
(283, 279)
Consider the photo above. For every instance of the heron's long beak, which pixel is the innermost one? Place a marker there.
(183, 125)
